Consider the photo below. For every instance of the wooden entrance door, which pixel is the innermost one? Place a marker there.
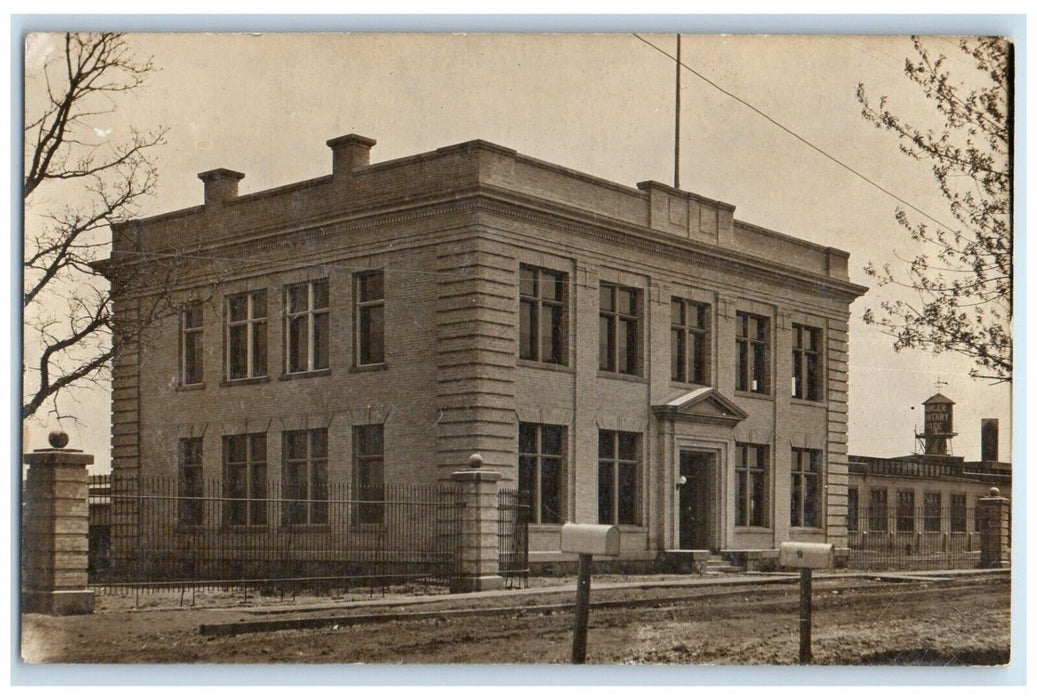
(694, 501)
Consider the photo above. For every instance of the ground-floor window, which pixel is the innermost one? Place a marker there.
(806, 487)
(244, 479)
(931, 511)
(852, 509)
(959, 518)
(878, 510)
(751, 475)
(618, 465)
(541, 470)
(906, 510)
(305, 477)
(189, 482)
(368, 465)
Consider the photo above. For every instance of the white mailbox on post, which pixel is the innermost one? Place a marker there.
(590, 539)
(807, 555)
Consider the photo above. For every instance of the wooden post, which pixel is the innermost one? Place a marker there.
(583, 600)
(805, 593)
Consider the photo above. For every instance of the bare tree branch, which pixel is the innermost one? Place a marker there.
(963, 278)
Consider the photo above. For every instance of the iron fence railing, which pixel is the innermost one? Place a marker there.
(902, 537)
(270, 534)
(513, 537)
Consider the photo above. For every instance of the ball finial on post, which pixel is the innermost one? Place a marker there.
(994, 492)
(475, 461)
(58, 439)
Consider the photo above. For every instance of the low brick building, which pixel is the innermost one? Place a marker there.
(626, 355)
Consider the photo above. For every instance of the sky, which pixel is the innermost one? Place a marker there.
(264, 104)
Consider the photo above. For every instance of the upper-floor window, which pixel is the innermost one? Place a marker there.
(369, 475)
(753, 343)
(806, 363)
(189, 482)
(689, 341)
(752, 507)
(369, 317)
(542, 301)
(806, 487)
(191, 319)
(245, 348)
(306, 323)
(244, 479)
(305, 499)
(619, 334)
(541, 473)
(619, 459)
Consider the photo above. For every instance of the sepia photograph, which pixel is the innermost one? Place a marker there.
(492, 348)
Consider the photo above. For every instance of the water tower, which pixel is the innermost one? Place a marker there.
(939, 426)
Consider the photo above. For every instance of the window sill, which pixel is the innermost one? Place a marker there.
(302, 527)
(820, 403)
(190, 387)
(549, 366)
(753, 530)
(754, 395)
(376, 367)
(244, 528)
(604, 374)
(245, 381)
(806, 530)
(305, 375)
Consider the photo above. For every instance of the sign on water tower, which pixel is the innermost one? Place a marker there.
(939, 425)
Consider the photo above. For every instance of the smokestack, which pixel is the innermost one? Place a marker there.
(988, 439)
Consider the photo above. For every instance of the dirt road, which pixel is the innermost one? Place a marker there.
(859, 621)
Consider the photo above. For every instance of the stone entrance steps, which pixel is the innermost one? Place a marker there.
(716, 565)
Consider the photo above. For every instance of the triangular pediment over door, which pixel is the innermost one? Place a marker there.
(702, 405)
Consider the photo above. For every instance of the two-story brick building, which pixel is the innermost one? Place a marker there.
(633, 356)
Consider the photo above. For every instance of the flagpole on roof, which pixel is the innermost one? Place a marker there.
(677, 121)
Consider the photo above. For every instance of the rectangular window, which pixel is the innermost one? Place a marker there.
(306, 324)
(368, 463)
(245, 341)
(244, 480)
(191, 319)
(806, 363)
(906, 510)
(751, 508)
(619, 329)
(542, 303)
(853, 509)
(753, 345)
(689, 341)
(541, 470)
(959, 517)
(305, 499)
(189, 482)
(931, 507)
(369, 317)
(806, 487)
(878, 510)
(619, 458)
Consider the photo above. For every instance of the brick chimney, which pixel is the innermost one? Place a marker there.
(221, 186)
(349, 152)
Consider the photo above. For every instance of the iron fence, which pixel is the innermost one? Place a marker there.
(899, 537)
(513, 537)
(270, 535)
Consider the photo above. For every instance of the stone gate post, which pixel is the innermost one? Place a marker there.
(478, 552)
(994, 542)
(54, 530)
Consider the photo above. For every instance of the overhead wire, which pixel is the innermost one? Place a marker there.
(799, 137)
